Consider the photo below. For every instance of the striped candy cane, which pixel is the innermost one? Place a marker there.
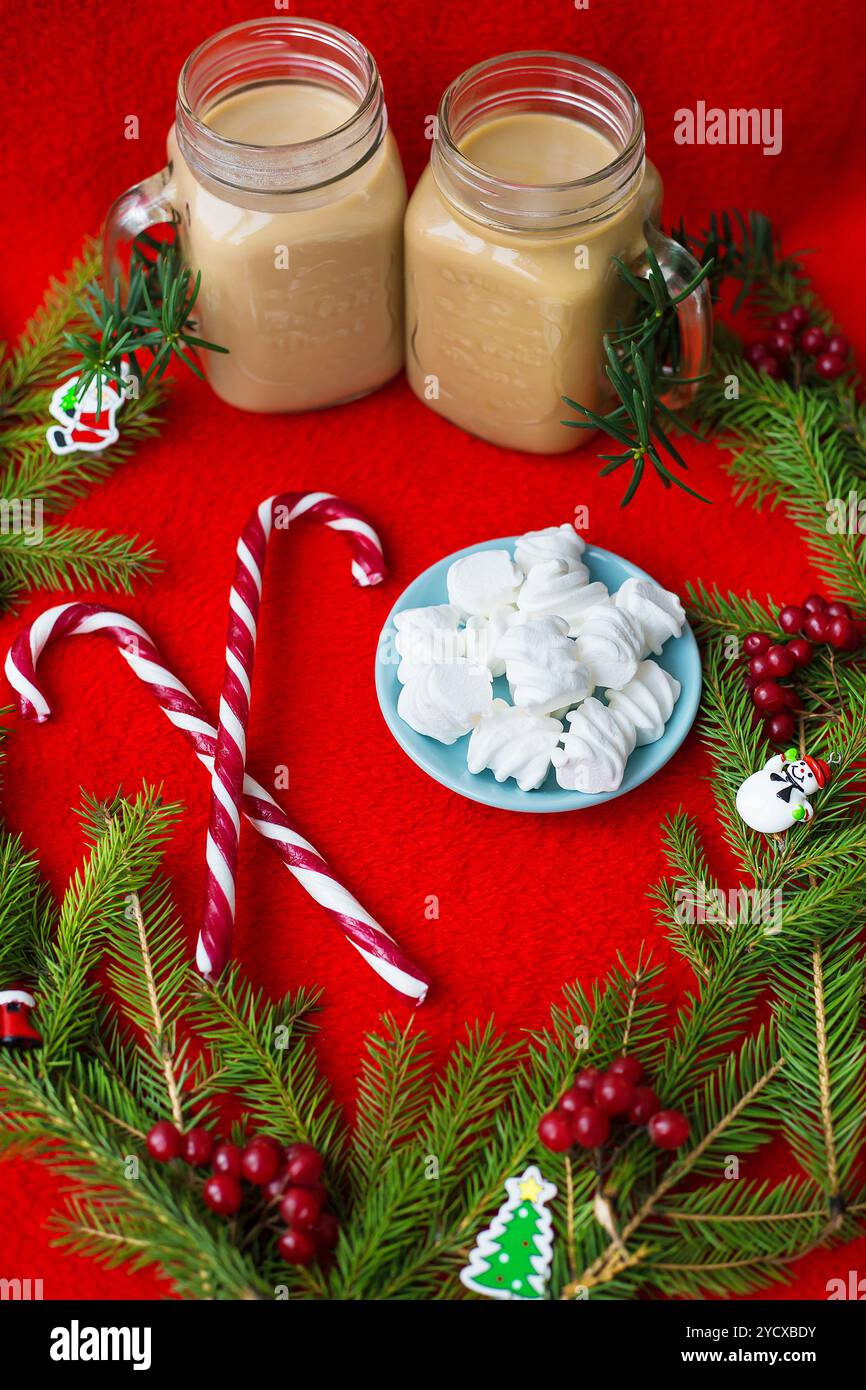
(227, 781)
(261, 810)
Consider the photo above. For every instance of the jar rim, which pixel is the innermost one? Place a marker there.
(609, 182)
(294, 166)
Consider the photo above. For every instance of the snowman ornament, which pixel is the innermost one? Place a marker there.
(777, 797)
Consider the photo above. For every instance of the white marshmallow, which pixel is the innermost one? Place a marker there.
(483, 636)
(542, 666)
(657, 611)
(445, 702)
(595, 749)
(427, 637)
(481, 582)
(554, 590)
(609, 641)
(514, 742)
(647, 701)
(551, 543)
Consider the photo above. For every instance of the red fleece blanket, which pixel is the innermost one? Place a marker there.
(526, 903)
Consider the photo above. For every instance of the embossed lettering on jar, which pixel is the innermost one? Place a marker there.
(537, 179)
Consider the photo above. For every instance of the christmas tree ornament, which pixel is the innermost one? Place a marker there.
(303, 861)
(512, 1258)
(229, 765)
(16, 1027)
(776, 797)
(87, 416)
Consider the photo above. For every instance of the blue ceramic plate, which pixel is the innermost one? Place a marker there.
(447, 764)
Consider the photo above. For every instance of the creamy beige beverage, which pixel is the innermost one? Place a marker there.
(539, 148)
(502, 323)
(307, 298)
(287, 191)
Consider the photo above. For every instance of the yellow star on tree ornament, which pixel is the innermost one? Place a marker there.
(530, 1190)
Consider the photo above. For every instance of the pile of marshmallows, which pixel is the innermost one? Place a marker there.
(538, 620)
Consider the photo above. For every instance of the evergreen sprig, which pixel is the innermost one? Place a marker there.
(428, 1159)
(31, 474)
(643, 362)
(152, 318)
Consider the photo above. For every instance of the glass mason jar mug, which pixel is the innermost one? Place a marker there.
(538, 177)
(288, 195)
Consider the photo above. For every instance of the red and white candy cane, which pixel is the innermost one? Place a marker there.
(368, 567)
(183, 710)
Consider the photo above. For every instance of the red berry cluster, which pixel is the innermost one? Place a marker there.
(808, 623)
(288, 1176)
(585, 1111)
(792, 338)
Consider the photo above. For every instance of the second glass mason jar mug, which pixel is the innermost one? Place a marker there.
(288, 194)
(537, 178)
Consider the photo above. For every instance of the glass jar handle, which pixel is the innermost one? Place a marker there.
(695, 314)
(133, 212)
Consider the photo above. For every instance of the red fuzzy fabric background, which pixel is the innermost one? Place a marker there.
(526, 903)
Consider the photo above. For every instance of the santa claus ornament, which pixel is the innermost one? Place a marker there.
(777, 797)
(87, 420)
(16, 1029)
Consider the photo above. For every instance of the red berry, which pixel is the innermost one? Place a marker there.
(327, 1232)
(830, 366)
(814, 603)
(750, 682)
(163, 1141)
(629, 1068)
(770, 366)
(785, 322)
(572, 1100)
(756, 642)
(798, 315)
(644, 1105)
(614, 1094)
(304, 1165)
(223, 1194)
(843, 634)
(668, 1129)
(817, 625)
(801, 650)
(301, 1207)
(755, 353)
(768, 697)
(274, 1189)
(836, 609)
(813, 341)
(781, 342)
(267, 1141)
(226, 1158)
(585, 1083)
(261, 1162)
(792, 698)
(779, 660)
(198, 1146)
(759, 666)
(839, 346)
(781, 728)
(590, 1127)
(554, 1131)
(792, 618)
(297, 1247)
